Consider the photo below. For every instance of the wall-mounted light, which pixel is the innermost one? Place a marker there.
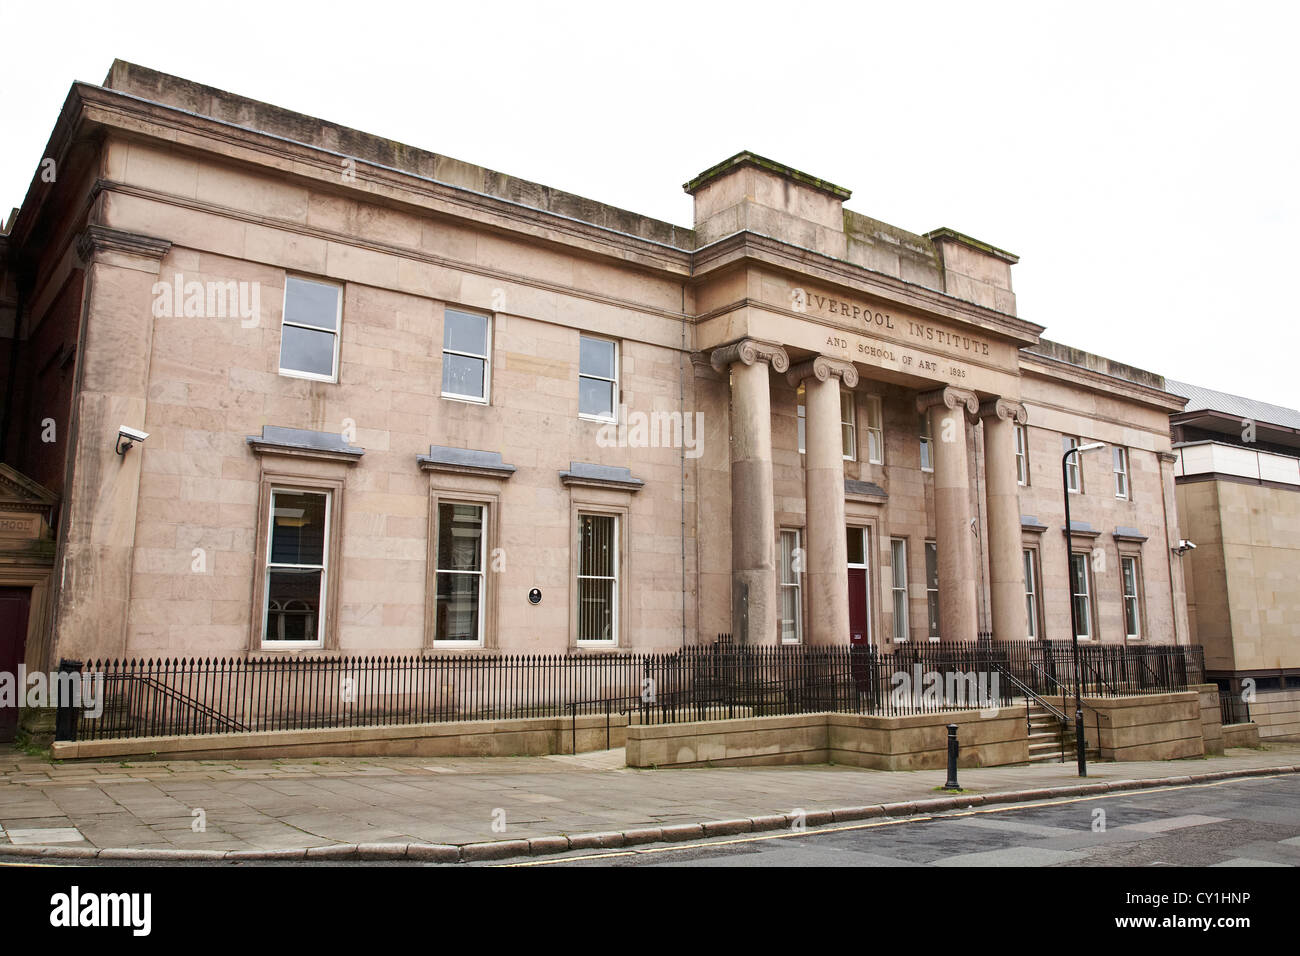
(128, 436)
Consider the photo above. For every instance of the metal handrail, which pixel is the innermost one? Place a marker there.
(149, 681)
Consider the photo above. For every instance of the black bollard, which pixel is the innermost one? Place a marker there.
(952, 759)
(65, 715)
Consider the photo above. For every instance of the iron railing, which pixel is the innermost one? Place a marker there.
(204, 696)
(1233, 708)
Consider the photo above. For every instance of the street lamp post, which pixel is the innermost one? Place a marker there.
(1079, 743)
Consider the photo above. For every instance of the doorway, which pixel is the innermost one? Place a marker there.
(15, 607)
(859, 569)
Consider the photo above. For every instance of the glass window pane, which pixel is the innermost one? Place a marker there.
(460, 537)
(789, 614)
(856, 547)
(462, 376)
(311, 303)
(307, 350)
(596, 397)
(900, 615)
(297, 528)
(931, 566)
(456, 607)
(788, 543)
(873, 447)
(463, 332)
(596, 545)
(293, 605)
(848, 438)
(898, 558)
(596, 357)
(595, 610)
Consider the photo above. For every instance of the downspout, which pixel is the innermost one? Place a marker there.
(1169, 551)
(681, 404)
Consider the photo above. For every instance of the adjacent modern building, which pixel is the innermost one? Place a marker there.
(398, 403)
(1238, 492)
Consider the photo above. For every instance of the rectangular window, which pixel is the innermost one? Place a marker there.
(309, 329)
(598, 578)
(295, 568)
(932, 587)
(1121, 471)
(466, 361)
(597, 378)
(1080, 593)
(1022, 455)
(849, 425)
(1031, 594)
(898, 586)
(875, 431)
(791, 596)
(927, 463)
(1131, 575)
(458, 598)
(801, 413)
(1073, 469)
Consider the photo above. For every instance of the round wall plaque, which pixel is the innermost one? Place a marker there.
(535, 596)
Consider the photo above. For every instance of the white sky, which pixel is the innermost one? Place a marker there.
(1141, 159)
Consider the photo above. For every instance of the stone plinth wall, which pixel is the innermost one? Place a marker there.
(884, 743)
(1277, 712)
(1241, 735)
(1150, 727)
(1211, 717)
(474, 738)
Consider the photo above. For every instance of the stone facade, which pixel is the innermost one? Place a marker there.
(176, 201)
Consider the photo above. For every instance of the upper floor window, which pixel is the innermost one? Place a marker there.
(1073, 469)
(466, 356)
(898, 586)
(875, 431)
(309, 329)
(1031, 594)
(1121, 471)
(932, 587)
(927, 461)
(597, 378)
(849, 425)
(1022, 455)
(1081, 593)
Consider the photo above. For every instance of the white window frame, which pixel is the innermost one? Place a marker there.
(875, 431)
(1022, 455)
(337, 333)
(1119, 462)
(932, 547)
(796, 585)
(614, 392)
(481, 573)
(927, 444)
(323, 567)
(1073, 466)
(616, 546)
(1131, 560)
(486, 398)
(849, 400)
(898, 563)
(1029, 558)
(1086, 594)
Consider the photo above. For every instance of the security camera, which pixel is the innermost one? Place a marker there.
(1184, 546)
(128, 436)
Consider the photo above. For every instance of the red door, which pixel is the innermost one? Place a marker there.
(15, 604)
(858, 632)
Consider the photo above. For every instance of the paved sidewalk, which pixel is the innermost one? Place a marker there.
(291, 805)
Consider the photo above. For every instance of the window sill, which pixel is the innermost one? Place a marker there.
(464, 399)
(309, 376)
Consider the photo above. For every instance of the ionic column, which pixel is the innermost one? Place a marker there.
(950, 409)
(827, 554)
(753, 505)
(1006, 564)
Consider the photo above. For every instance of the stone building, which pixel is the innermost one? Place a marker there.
(397, 403)
(1238, 493)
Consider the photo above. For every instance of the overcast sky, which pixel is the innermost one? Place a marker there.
(1141, 159)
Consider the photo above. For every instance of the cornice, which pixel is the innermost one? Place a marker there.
(804, 262)
(1044, 367)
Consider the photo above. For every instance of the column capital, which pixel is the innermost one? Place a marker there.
(749, 351)
(822, 369)
(1004, 409)
(950, 397)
